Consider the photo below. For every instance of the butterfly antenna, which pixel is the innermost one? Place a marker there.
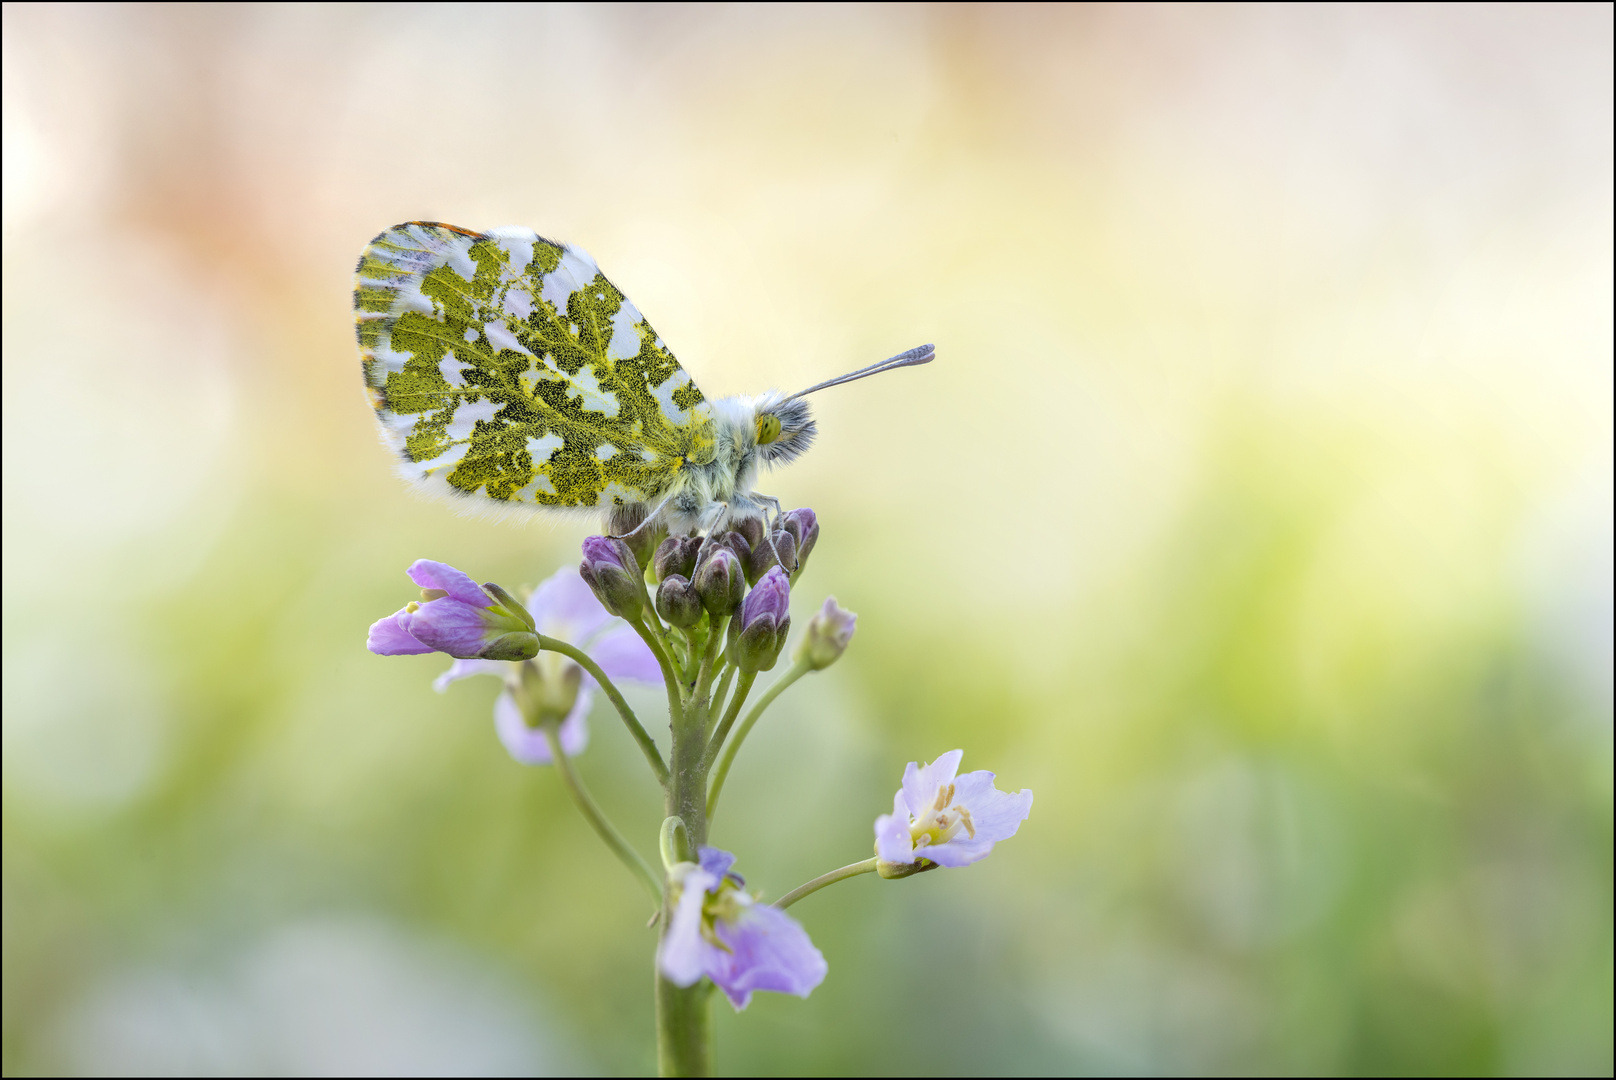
(920, 354)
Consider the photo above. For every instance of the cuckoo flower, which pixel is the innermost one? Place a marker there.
(562, 607)
(944, 819)
(720, 931)
(456, 616)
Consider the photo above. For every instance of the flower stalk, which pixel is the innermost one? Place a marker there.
(798, 670)
(597, 820)
(842, 874)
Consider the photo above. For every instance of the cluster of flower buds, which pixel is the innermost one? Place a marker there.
(758, 548)
(742, 574)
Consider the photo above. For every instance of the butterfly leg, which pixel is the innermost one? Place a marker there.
(711, 517)
(769, 502)
(622, 516)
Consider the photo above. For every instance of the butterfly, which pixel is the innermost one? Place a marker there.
(506, 370)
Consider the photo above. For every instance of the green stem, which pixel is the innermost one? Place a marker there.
(717, 704)
(676, 709)
(850, 870)
(648, 599)
(798, 670)
(592, 812)
(715, 638)
(684, 1018)
(695, 648)
(684, 1015)
(648, 745)
(743, 686)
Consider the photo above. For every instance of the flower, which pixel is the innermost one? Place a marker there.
(606, 568)
(720, 931)
(944, 819)
(764, 622)
(456, 616)
(562, 607)
(829, 631)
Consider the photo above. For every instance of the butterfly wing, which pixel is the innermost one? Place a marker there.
(507, 367)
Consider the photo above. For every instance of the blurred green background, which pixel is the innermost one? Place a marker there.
(1256, 515)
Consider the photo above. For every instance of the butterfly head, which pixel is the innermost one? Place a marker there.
(782, 428)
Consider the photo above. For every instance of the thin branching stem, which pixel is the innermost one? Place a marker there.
(850, 870)
(723, 690)
(592, 812)
(676, 709)
(648, 745)
(743, 686)
(798, 670)
(715, 640)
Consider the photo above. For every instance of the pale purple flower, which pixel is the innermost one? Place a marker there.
(948, 819)
(454, 616)
(562, 607)
(720, 931)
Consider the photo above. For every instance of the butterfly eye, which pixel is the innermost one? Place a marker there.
(768, 428)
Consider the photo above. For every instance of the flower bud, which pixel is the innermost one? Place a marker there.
(803, 525)
(545, 700)
(720, 581)
(518, 645)
(605, 568)
(678, 602)
(764, 622)
(829, 631)
(626, 522)
(753, 529)
(676, 555)
(736, 543)
(763, 556)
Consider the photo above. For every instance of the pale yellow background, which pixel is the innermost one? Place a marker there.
(1256, 514)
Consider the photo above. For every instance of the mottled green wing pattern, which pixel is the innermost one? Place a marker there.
(505, 365)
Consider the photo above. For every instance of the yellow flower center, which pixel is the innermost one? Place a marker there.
(942, 820)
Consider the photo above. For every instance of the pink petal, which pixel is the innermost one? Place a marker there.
(388, 637)
(437, 575)
(623, 654)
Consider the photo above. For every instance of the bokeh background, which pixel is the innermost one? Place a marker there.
(1256, 515)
